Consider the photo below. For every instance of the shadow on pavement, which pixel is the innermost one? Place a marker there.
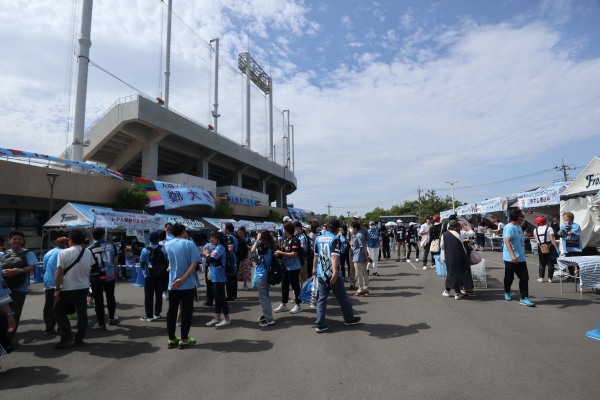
(236, 346)
(21, 377)
(381, 331)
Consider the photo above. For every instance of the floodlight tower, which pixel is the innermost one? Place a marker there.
(255, 74)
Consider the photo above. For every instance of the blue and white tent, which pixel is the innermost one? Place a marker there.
(74, 215)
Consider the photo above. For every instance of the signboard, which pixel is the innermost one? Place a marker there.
(238, 195)
(491, 205)
(172, 195)
(540, 198)
(131, 221)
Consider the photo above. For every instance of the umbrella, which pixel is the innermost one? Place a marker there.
(391, 223)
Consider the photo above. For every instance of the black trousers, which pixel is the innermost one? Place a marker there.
(546, 259)
(232, 287)
(79, 297)
(426, 251)
(18, 301)
(185, 298)
(386, 250)
(98, 290)
(519, 269)
(153, 289)
(410, 247)
(290, 278)
(48, 313)
(221, 305)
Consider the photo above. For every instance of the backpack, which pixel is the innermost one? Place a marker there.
(276, 271)
(11, 260)
(230, 264)
(242, 251)
(158, 261)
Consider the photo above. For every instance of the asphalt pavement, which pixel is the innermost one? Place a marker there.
(412, 343)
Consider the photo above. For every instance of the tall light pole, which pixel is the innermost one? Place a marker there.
(51, 179)
(451, 183)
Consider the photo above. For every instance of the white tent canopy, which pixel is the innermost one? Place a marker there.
(582, 199)
(74, 215)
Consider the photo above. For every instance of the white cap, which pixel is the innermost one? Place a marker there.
(399, 221)
(357, 216)
(286, 218)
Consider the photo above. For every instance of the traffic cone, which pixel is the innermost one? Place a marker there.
(139, 278)
(595, 334)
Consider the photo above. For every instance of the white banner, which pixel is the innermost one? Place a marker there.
(540, 198)
(445, 214)
(122, 220)
(491, 205)
(466, 210)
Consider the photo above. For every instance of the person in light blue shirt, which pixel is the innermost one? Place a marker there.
(264, 246)
(570, 237)
(50, 262)
(231, 286)
(289, 256)
(326, 268)
(359, 259)
(7, 320)
(184, 258)
(210, 296)
(373, 247)
(156, 277)
(217, 260)
(513, 255)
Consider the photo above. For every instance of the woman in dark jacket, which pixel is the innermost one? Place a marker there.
(457, 261)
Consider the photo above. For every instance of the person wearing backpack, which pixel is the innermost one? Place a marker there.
(106, 257)
(232, 246)
(217, 259)
(243, 256)
(544, 236)
(290, 249)
(50, 261)
(17, 263)
(263, 247)
(154, 263)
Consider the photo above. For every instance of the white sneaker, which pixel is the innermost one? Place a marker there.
(297, 309)
(550, 281)
(416, 260)
(213, 322)
(457, 296)
(446, 293)
(224, 322)
(281, 308)
(425, 267)
(540, 279)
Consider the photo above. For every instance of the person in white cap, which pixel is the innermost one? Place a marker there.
(400, 238)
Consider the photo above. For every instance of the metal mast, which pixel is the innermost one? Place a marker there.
(255, 74)
(215, 111)
(83, 60)
(168, 55)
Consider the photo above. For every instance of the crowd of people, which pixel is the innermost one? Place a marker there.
(79, 275)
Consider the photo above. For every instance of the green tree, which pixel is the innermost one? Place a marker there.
(132, 198)
(274, 216)
(223, 210)
(375, 214)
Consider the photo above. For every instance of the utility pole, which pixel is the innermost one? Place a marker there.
(419, 193)
(451, 183)
(564, 169)
(328, 211)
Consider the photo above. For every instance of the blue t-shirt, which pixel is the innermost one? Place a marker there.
(373, 238)
(181, 253)
(217, 268)
(50, 262)
(31, 259)
(327, 245)
(517, 241)
(264, 261)
(357, 248)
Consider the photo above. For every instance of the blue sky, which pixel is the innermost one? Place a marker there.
(384, 96)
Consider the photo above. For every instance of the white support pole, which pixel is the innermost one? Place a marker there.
(83, 60)
(215, 112)
(248, 72)
(168, 53)
(270, 119)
